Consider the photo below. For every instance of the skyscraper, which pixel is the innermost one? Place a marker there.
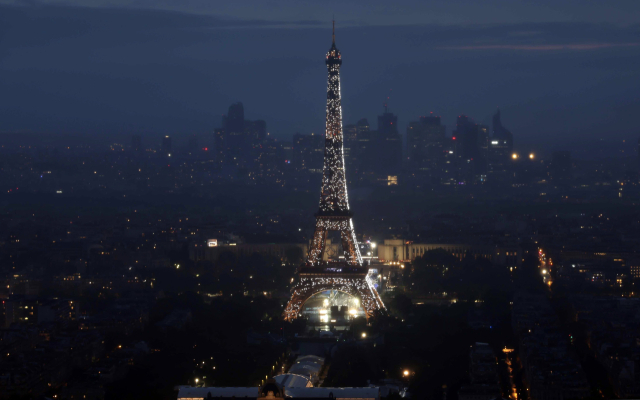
(238, 141)
(499, 151)
(234, 120)
(425, 141)
(307, 153)
(466, 148)
(385, 157)
(500, 132)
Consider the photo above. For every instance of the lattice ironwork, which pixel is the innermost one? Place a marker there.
(334, 215)
(356, 285)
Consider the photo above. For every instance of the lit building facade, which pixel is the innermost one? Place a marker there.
(399, 250)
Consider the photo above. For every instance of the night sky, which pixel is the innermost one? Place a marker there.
(560, 73)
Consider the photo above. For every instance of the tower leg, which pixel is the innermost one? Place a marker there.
(349, 243)
(316, 252)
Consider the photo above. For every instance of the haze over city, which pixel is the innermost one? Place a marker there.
(319, 200)
(559, 71)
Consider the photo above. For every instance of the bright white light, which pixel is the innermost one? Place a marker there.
(544, 272)
(373, 245)
(364, 335)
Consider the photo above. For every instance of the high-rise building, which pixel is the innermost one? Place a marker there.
(350, 143)
(234, 120)
(255, 130)
(425, 147)
(307, 153)
(270, 161)
(385, 157)
(239, 141)
(358, 150)
(467, 135)
(500, 132)
(500, 162)
(482, 157)
(500, 151)
(387, 124)
(466, 149)
(232, 146)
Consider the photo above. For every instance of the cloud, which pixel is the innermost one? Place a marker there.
(542, 47)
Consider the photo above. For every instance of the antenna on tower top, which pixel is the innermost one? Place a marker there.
(333, 36)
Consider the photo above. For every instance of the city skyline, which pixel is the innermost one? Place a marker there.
(180, 227)
(169, 72)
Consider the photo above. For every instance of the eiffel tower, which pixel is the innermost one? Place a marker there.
(349, 276)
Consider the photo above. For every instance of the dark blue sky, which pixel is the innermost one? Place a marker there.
(559, 72)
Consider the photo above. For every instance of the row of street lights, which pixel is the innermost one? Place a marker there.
(516, 156)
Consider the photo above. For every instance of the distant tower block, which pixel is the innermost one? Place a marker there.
(348, 276)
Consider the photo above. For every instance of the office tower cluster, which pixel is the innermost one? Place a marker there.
(238, 141)
(421, 155)
(473, 154)
(425, 156)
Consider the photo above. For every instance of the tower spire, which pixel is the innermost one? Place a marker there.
(333, 35)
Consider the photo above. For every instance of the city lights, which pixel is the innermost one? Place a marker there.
(514, 156)
(334, 214)
(531, 156)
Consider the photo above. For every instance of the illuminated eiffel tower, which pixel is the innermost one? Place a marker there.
(349, 276)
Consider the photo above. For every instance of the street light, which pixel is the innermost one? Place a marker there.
(514, 156)
(373, 245)
(364, 335)
(405, 373)
(532, 156)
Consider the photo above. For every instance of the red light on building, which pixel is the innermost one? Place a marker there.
(453, 138)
